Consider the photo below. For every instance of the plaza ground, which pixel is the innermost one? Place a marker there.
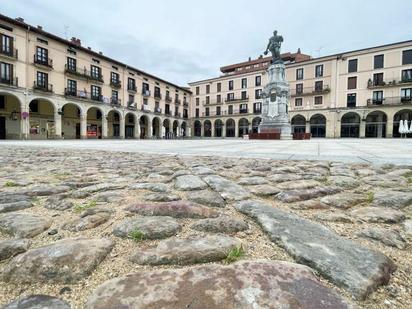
(374, 151)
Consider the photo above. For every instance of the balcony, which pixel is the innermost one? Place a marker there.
(307, 91)
(45, 87)
(14, 82)
(131, 88)
(211, 103)
(225, 113)
(115, 101)
(177, 101)
(243, 111)
(146, 93)
(186, 116)
(237, 100)
(158, 110)
(167, 112)
(83, 74)
(83, 95)
(185, 103)
(157, 96)
(44, 63)
(388, 83)
(178, 115)
(116, 83)
(389, 101)
(145, 108)
(9, 53)
(168, 99)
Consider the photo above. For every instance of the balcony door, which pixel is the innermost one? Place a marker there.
(6, 45)
(42, 55)
(6, 72)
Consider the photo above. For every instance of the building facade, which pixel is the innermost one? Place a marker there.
(363, 93)
(54, 88)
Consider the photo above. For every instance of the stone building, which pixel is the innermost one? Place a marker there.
(53, 88)
(362, 93)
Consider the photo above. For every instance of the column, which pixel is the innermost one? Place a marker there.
(122, 127)
(307, 129)
(149, 128)
(188, 131)
(83, 126)
(25, 126)
(236, 128)
(389, 127)
(104, 126)
(223, 130)
(137, 129)
(362, 128)
(57, 125)
(202, 129)
(212, 129)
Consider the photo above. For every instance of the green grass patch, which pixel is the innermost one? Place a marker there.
(410, 180)
(408, 175)
(82, 207)
(370, 196)
(10, 183)
(136, 235)
(235, 254)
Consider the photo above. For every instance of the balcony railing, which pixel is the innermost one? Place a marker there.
(10, 52)
(145, 108)
(167, 112)
(178, 114)
(131, 88)
(372, 84)
(115, 101)
(158, 110)
(146, 93)
(225, 113)
(132, 105)
(186, 116)
(10, 81)
(211, 103)
(83, 73)
(158, 96)
(306, 91)
(47, 62)
(177, 101)
(81, 94)
(185, 103)
(235, 100)
(389, 101)
(116, 83)
(46, 87)
(168, 99)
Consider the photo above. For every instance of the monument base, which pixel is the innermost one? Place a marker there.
(272, 132)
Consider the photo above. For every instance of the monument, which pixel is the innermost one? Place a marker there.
(276, 93)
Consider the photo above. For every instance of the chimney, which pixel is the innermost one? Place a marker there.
(100, 53)
(299, 50)
(76, 41)
(39, 27)
(250, 59)
(89, 48)
(19, 19)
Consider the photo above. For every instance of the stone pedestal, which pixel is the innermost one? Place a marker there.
(276, 94)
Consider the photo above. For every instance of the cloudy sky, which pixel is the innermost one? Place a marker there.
(183, 41)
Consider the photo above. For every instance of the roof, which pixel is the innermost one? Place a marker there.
(84, 49)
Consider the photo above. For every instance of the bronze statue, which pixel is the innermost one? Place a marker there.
(274, 47)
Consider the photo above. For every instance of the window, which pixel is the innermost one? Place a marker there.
(42, 41)
(6, 45)
(230, 97)
(407, 57)
(131, 99)
(407, 75)
(207, 111)
(258, 80)
(378, 62)
(197, 101)
(298, 102)
(351, 100)
(207, 100)
(218, 87)
(167, 109)
(114, 78)
(130, 118)
(406, 94)
(157, 92)
(115, 95)
(71, 87)
(34, 106)
(319, 100)
(218, 110)
(299, 74)
(244, 83)
(71, 64)
(145, 88)
(96, 92)
(95, 72)
(299, 88)
(352, 65)
(197, 113)
(319, 86)
(42, 79)
(352, 82)
(218, 98)
(197, 90)
(244, 95)
(131, 84)
(42, 55)
(231, 85)
(207, 89)
(378, 79)
(230, 110)
(319, 70)
(6, 72)
(257, 108)
(258, 94)
(377, 97)
(243, 108)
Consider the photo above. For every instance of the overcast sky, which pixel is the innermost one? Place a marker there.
(183, 41)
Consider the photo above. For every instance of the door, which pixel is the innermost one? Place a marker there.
(77, 130)
(2, 128)
(129, 131)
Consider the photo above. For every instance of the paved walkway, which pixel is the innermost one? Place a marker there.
(377, 151)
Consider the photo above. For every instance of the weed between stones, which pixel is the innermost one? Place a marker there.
(81, 207)
(370, 196)
(234, 255)
(136, 235)
(10, 184)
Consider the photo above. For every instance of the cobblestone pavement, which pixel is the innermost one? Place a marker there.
(86, 228)
(374, 151)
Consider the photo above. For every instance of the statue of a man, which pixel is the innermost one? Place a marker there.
(274, 47)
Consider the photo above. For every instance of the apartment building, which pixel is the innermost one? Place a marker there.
(362, 93)
(55, 88)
